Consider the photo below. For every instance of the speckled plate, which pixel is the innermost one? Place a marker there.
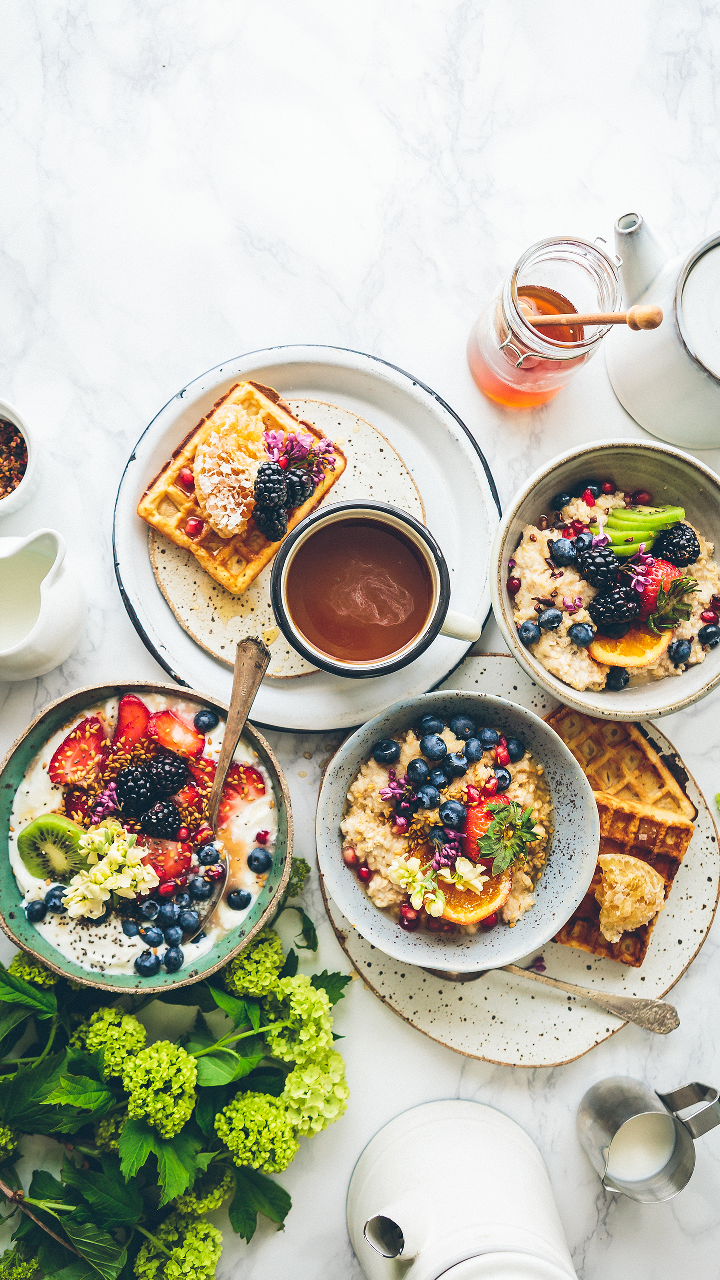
(503, 1019)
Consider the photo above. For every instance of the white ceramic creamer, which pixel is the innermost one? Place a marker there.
(455, 1189)
(42, 605)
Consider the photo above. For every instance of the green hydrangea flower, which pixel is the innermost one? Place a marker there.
(315, 1093)
(107, 1134)
(161, 1083)
(208, 1193)
(255, 971)
(257, 1131)
(306, 1011)
(30, 970)
(195, 1247)
(9, 1139)
(299, 872)
(118, 1033)
(13, 1266)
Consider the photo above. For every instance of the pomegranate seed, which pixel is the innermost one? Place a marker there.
(709, 616)
(579, 527)
(182, 881)
(216, 872)
(364, 873)
(408, 924)
(193, 527)
(513, 586)
(408, 910)
(350, 857)
(511, 564)
(588, 498)
(187, 479)
(167, 889)
(283, 463)
(715, 604)
(502, 742)
(502, 756)
(641, 498)
(434, 923)
(203, 835)
(401, 826)
(183, 834)
(607, 486)
(490, 786)
(187, 848)
(472, 795)
(448, 926)
(262, 837)
(490, 921)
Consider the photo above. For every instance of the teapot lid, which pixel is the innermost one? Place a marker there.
(697, 304)
(507, 1266)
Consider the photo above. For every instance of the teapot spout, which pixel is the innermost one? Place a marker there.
(385, 1235)
(643, 257)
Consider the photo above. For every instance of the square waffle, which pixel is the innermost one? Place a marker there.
(619, 761)
(657, 837)
(166, 506)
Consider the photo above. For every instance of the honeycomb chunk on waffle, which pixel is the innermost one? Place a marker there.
(655, 836)
(619, 761)
(167, 505)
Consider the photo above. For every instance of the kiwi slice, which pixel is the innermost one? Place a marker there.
(627, 541)
(49, 847)
(646, 517)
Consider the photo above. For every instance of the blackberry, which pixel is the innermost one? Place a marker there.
(678, 544)
(299, 487)
(136, 790)
(270, 485)
(599, 566)
(619, 604)
(162, 821)
(168, 775)
(271, 521)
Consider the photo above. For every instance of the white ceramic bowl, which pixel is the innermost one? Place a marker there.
(572, 853)
(27, 486)
(672, 477)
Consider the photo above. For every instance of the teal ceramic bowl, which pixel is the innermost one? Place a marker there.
(26, 936)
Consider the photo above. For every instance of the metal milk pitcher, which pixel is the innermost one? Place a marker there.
(635, 1139)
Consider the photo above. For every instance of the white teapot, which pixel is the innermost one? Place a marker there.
(670, 380)
(42, 605)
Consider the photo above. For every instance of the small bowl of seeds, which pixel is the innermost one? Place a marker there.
(17, 460)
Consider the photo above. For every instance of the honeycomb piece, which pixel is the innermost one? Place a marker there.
(630, 893)
(225, 466)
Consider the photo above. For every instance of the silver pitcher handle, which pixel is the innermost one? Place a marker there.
(690, 1094)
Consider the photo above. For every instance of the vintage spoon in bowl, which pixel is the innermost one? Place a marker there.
(251, 662)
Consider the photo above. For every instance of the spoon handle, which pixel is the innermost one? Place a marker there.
(653, 1015)
(251, 663)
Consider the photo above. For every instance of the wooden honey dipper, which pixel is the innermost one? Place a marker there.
(636, 318)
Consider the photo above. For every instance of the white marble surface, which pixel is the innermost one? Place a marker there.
(181, 183)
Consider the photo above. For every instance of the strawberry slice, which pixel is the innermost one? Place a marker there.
(169, 858)
(77, 760)
(174, 734)
(76, 804)
(132, 721)
(243, 785)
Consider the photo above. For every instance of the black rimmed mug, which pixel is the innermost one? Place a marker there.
(439, 621)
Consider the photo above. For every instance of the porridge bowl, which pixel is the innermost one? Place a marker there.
(563, 797)
(658, 679)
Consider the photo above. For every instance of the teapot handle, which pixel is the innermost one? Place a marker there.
(687, 1096)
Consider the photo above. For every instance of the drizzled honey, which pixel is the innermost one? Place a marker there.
(517, 387)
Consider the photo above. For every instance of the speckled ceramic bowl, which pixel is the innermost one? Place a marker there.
(12, 916)
(672, 477)
(572, 853)
(28, 485)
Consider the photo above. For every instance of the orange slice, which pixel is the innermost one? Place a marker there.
(464, 906)
(638, 648)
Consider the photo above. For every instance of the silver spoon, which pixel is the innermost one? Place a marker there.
(652, 1015)
(251, 663)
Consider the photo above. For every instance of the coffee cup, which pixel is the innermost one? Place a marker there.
(361, 589)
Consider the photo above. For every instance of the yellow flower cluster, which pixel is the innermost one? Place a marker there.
(115, 865)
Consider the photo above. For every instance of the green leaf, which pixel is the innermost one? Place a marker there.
(114, 1202)
(21, 1097)
(16, 991)
(224, 1067)
(83, 1093)
(290, 966)
(78, 1270)
(11, 1016)
(53, 1258)
(308, 932)
(177, 1164)
(332, 983)
(253, 1011)
(230, 1005)
(265, 1080)
(256, 1193)
(137, 1142)
(198, 995)
(209, 1102)
(98, 1247)
(201, 1037)
(45, 1187)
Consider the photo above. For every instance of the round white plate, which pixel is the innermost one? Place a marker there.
(451, 474)
(504, 1019)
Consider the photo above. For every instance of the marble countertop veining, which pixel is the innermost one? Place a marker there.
(182, 183)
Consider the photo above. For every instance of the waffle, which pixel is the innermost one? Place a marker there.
(657, 837)
(619, 761)
(233, 562)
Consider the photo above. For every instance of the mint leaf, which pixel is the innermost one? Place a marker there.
(230, 1005)
(81, 1092)
(256, 1193)
(332, 983)
(98, 1247)
(137, 1142)
(16, 991)
(223, 1067)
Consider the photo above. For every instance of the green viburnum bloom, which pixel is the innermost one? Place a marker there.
(255, 971)
(107, 1134)
(161, 1083)
(299, 872)
(13, 1266)
(306, 1013)
(194, 1247)
(9, 1139)
(258, 1132)
(210, 1190)
(316, 1093)
(118, 1033)
(29, 970)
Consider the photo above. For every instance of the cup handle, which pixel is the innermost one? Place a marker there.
(460, 627)
(690, 1094)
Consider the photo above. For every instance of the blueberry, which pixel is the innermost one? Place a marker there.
(173, 935)
(515, 749)
(503, 779)
(453, 814)
(473, 750)
(615, 630)
(455, 764)
(259, 861)
(130, 928)
(36, 911)
(417, 772)
(489, 738)
(529, 633)
(201, 889)
(561, 500)
(147, 965)
(386, 751)
(199, 937)
(55, 901)
(152, 935)
(679, 652)
(207, 855)
(581, 634)
(173, 959)
(709, 635)
(182, 900)
(462, 727)
(206, 720)
(563, 551)
(428, 796)
(433, 746)
(550, 619)
(437, 835)
(617, 678)
(149, 910)
(239, 899)
(438, 778)
(430, 724)
(168, 914)
(583, 541)
(582, 485)
(189, 920)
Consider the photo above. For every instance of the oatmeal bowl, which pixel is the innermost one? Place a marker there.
(108, 869)
(605, 580)
(456, 831)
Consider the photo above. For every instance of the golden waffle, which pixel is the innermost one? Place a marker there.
(233, 562)
(619, 761)
(657, 837)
